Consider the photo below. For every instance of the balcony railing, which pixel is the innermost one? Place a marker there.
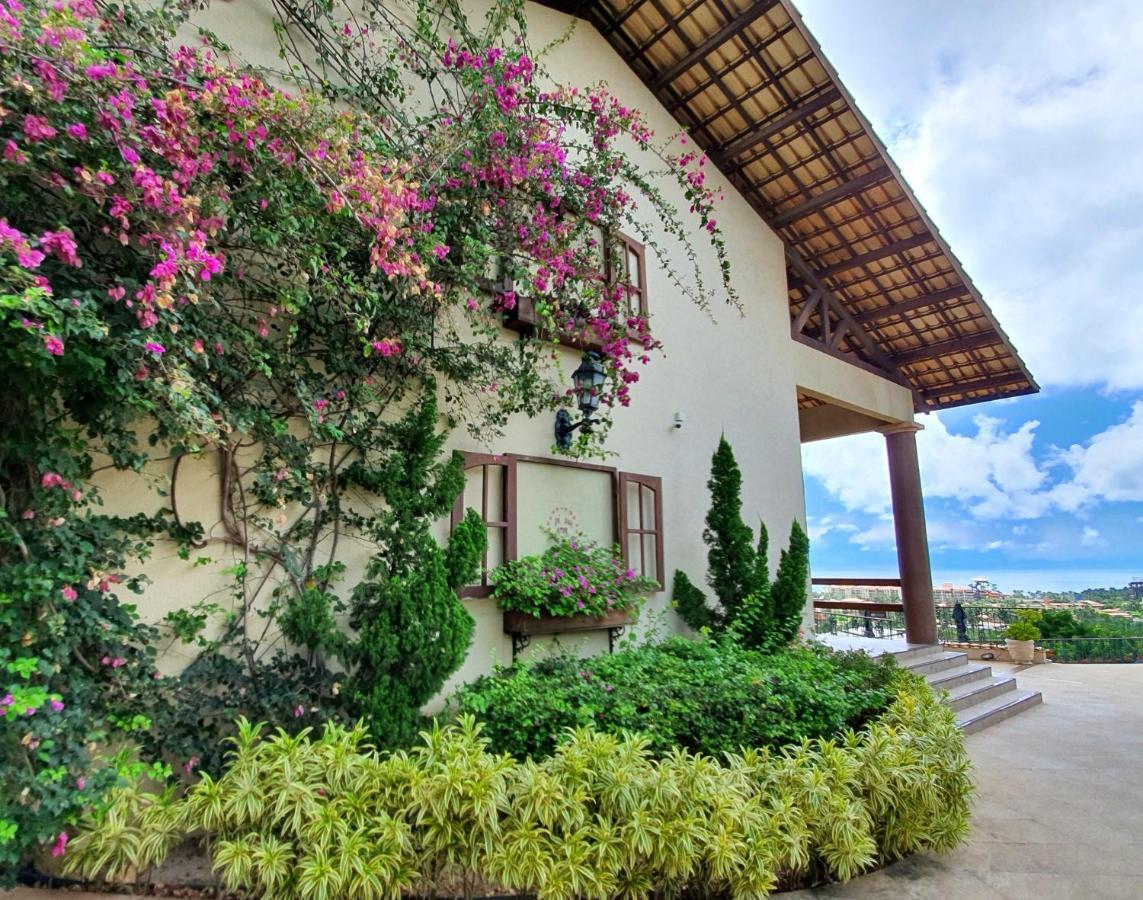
(1094, 649)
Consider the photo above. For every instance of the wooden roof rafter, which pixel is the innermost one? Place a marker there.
(751, 84)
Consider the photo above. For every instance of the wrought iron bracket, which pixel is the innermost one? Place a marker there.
(520, 642)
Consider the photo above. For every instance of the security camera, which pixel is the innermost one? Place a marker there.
(679, 419)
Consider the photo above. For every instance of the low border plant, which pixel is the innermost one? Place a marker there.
(319, 816)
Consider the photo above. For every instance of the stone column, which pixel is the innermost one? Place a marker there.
(912, 538)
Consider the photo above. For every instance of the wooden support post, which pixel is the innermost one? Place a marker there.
(912, 538)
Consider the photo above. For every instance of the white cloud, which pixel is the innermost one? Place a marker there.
(1109, 467)
(1091, 537)
(992, 472)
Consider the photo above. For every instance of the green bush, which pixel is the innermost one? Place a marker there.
(703, 696)
(1025, 627)
(322, 817)
(572, 577)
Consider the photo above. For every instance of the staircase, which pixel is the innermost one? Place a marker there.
(978, 697)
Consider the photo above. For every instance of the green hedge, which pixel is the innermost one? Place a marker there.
(328, 817)
(709, 697)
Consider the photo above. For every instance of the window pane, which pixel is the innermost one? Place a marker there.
(634, 560)
(633, 504)
(495, 547)
(473, 482)
(650, 560)
(494, 475)
(649, 498)
(632, 267)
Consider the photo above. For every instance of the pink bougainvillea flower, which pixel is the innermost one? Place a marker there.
(78, 131)
(53, 345)
(440, 251)
(36, 129)
(60, 845)
(156, 349)
(80, 783)
(299, 711)
(61, 244)
(68, 593)
(56, 705)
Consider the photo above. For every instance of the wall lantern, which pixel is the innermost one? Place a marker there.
(588, 380)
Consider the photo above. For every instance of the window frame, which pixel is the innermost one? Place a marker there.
(510, 523)
(508, 507)
(653, 483)
(628, 244)
(523, 318)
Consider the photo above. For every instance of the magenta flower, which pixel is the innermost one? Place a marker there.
(78, 131)
(157, 349)
(80, 783)
(36, 128)
(440, 251)
(299, 711)
(53, 345)
(56, 705)
(68, 593)
(60, 845)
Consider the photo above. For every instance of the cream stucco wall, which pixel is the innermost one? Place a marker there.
(726, 373)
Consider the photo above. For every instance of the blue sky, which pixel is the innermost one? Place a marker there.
(1020, 127)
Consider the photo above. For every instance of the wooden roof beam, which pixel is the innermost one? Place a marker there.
(944, 348)
(904, 306)
(825, 198)
(716, 40)
(776, 126)
(880, 253)
(983, 384)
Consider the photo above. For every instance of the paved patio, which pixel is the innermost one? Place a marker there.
(1059, 809)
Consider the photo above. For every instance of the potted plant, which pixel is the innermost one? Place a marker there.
(574, 585)
(1021, 636)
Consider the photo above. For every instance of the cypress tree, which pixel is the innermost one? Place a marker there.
(412, 630)
(788, 594)
(690, 603)
(730, 557)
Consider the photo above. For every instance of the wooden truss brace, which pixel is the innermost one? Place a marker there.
(821, 299)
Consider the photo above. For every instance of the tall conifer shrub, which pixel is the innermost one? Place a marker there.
(412, 630)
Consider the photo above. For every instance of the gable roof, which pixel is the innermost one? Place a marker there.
(870, 277)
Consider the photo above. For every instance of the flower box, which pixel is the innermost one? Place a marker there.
(524, 319)
(520, 623)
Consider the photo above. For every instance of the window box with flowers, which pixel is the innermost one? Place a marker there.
(574, 585)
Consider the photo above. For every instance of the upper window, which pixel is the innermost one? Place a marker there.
(630, 268)
(624, 261)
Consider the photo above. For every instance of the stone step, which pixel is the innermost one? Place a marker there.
(936, 662)
(975, 692)
(916, 652)
(950, 679)
(996, 709)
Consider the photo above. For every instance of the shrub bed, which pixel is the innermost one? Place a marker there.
(710, 697)
(314, 817)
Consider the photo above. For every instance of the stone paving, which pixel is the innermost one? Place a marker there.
(1059, 807)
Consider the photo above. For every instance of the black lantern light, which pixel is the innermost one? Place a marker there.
(588, 380)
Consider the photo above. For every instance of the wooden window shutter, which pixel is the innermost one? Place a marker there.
(641, 524)
(490, 489)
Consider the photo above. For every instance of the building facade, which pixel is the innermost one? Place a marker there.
(854, 317)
